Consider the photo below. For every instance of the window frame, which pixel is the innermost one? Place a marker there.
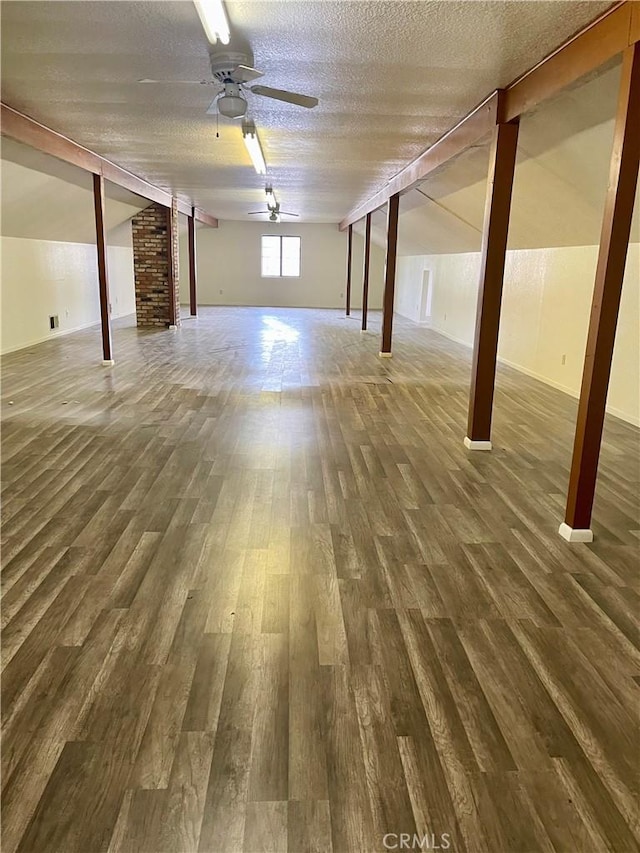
(280, 238)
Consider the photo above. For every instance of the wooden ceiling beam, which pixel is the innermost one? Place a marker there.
(199, 215)
(605, 38)
(601, 41)
(477, 124)
(634, 30)
(184, 207)
(205, 218)
(22, 128)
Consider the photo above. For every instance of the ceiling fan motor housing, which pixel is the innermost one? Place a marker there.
(224, 62)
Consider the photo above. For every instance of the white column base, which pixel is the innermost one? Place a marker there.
(108, 362)
(470, 444)
(572, 535)
(364, 331)
(172, 328)
(385, 354)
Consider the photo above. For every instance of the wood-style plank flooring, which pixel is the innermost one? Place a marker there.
(259, 597)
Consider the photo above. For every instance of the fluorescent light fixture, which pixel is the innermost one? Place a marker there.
(214, 20)
(272, 201)
(250, 136)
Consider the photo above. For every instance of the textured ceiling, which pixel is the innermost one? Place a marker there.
(391, 78)
(560, 183)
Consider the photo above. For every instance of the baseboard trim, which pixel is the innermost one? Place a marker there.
(614, 412)
(59, 333)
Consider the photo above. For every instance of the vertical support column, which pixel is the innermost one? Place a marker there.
(103, 274)
(172, 264)
(155, 259)
(349, 253)
(494, 246)
(193, 299)
(393, 206)
(365, 274)
(612, 255)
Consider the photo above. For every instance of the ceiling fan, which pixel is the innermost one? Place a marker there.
(273, 212)
(231, 71)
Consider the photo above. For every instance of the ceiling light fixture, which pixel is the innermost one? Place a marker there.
(250, 136)
(231, 103)
(214, 20)
(272, 202)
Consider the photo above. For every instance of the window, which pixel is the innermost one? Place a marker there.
(280, 256)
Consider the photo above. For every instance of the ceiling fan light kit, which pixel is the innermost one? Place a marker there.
(231, 103)
(250, 136)
(214, 20)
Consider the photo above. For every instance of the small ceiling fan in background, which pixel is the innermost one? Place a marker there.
(231, 71)
(273, 212)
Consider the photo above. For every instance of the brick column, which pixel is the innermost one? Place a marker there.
(155, 248)
(175, 259)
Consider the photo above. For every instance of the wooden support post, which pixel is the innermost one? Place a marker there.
(365, 274)
(390, 274)
(349, 252)
(614, 242)
(193, 299)
(171, 267)
(494, 246)
(103, 273)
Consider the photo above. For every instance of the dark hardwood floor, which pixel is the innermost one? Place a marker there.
(259, 597)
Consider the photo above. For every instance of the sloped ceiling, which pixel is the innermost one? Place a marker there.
(392, 77)
(45, 199)
(559, 189)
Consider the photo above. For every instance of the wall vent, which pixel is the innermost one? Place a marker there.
(54, 322)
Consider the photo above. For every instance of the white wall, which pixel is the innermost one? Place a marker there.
(43, 277)
(228, 260)
(376, 273)
(43, 206)
(545, 314)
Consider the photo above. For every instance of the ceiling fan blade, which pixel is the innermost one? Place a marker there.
(258, 213)
(286, 213)
(283, 95)
(201, 82)
(245, 74)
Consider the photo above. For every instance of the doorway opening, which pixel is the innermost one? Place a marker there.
(424, 305)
